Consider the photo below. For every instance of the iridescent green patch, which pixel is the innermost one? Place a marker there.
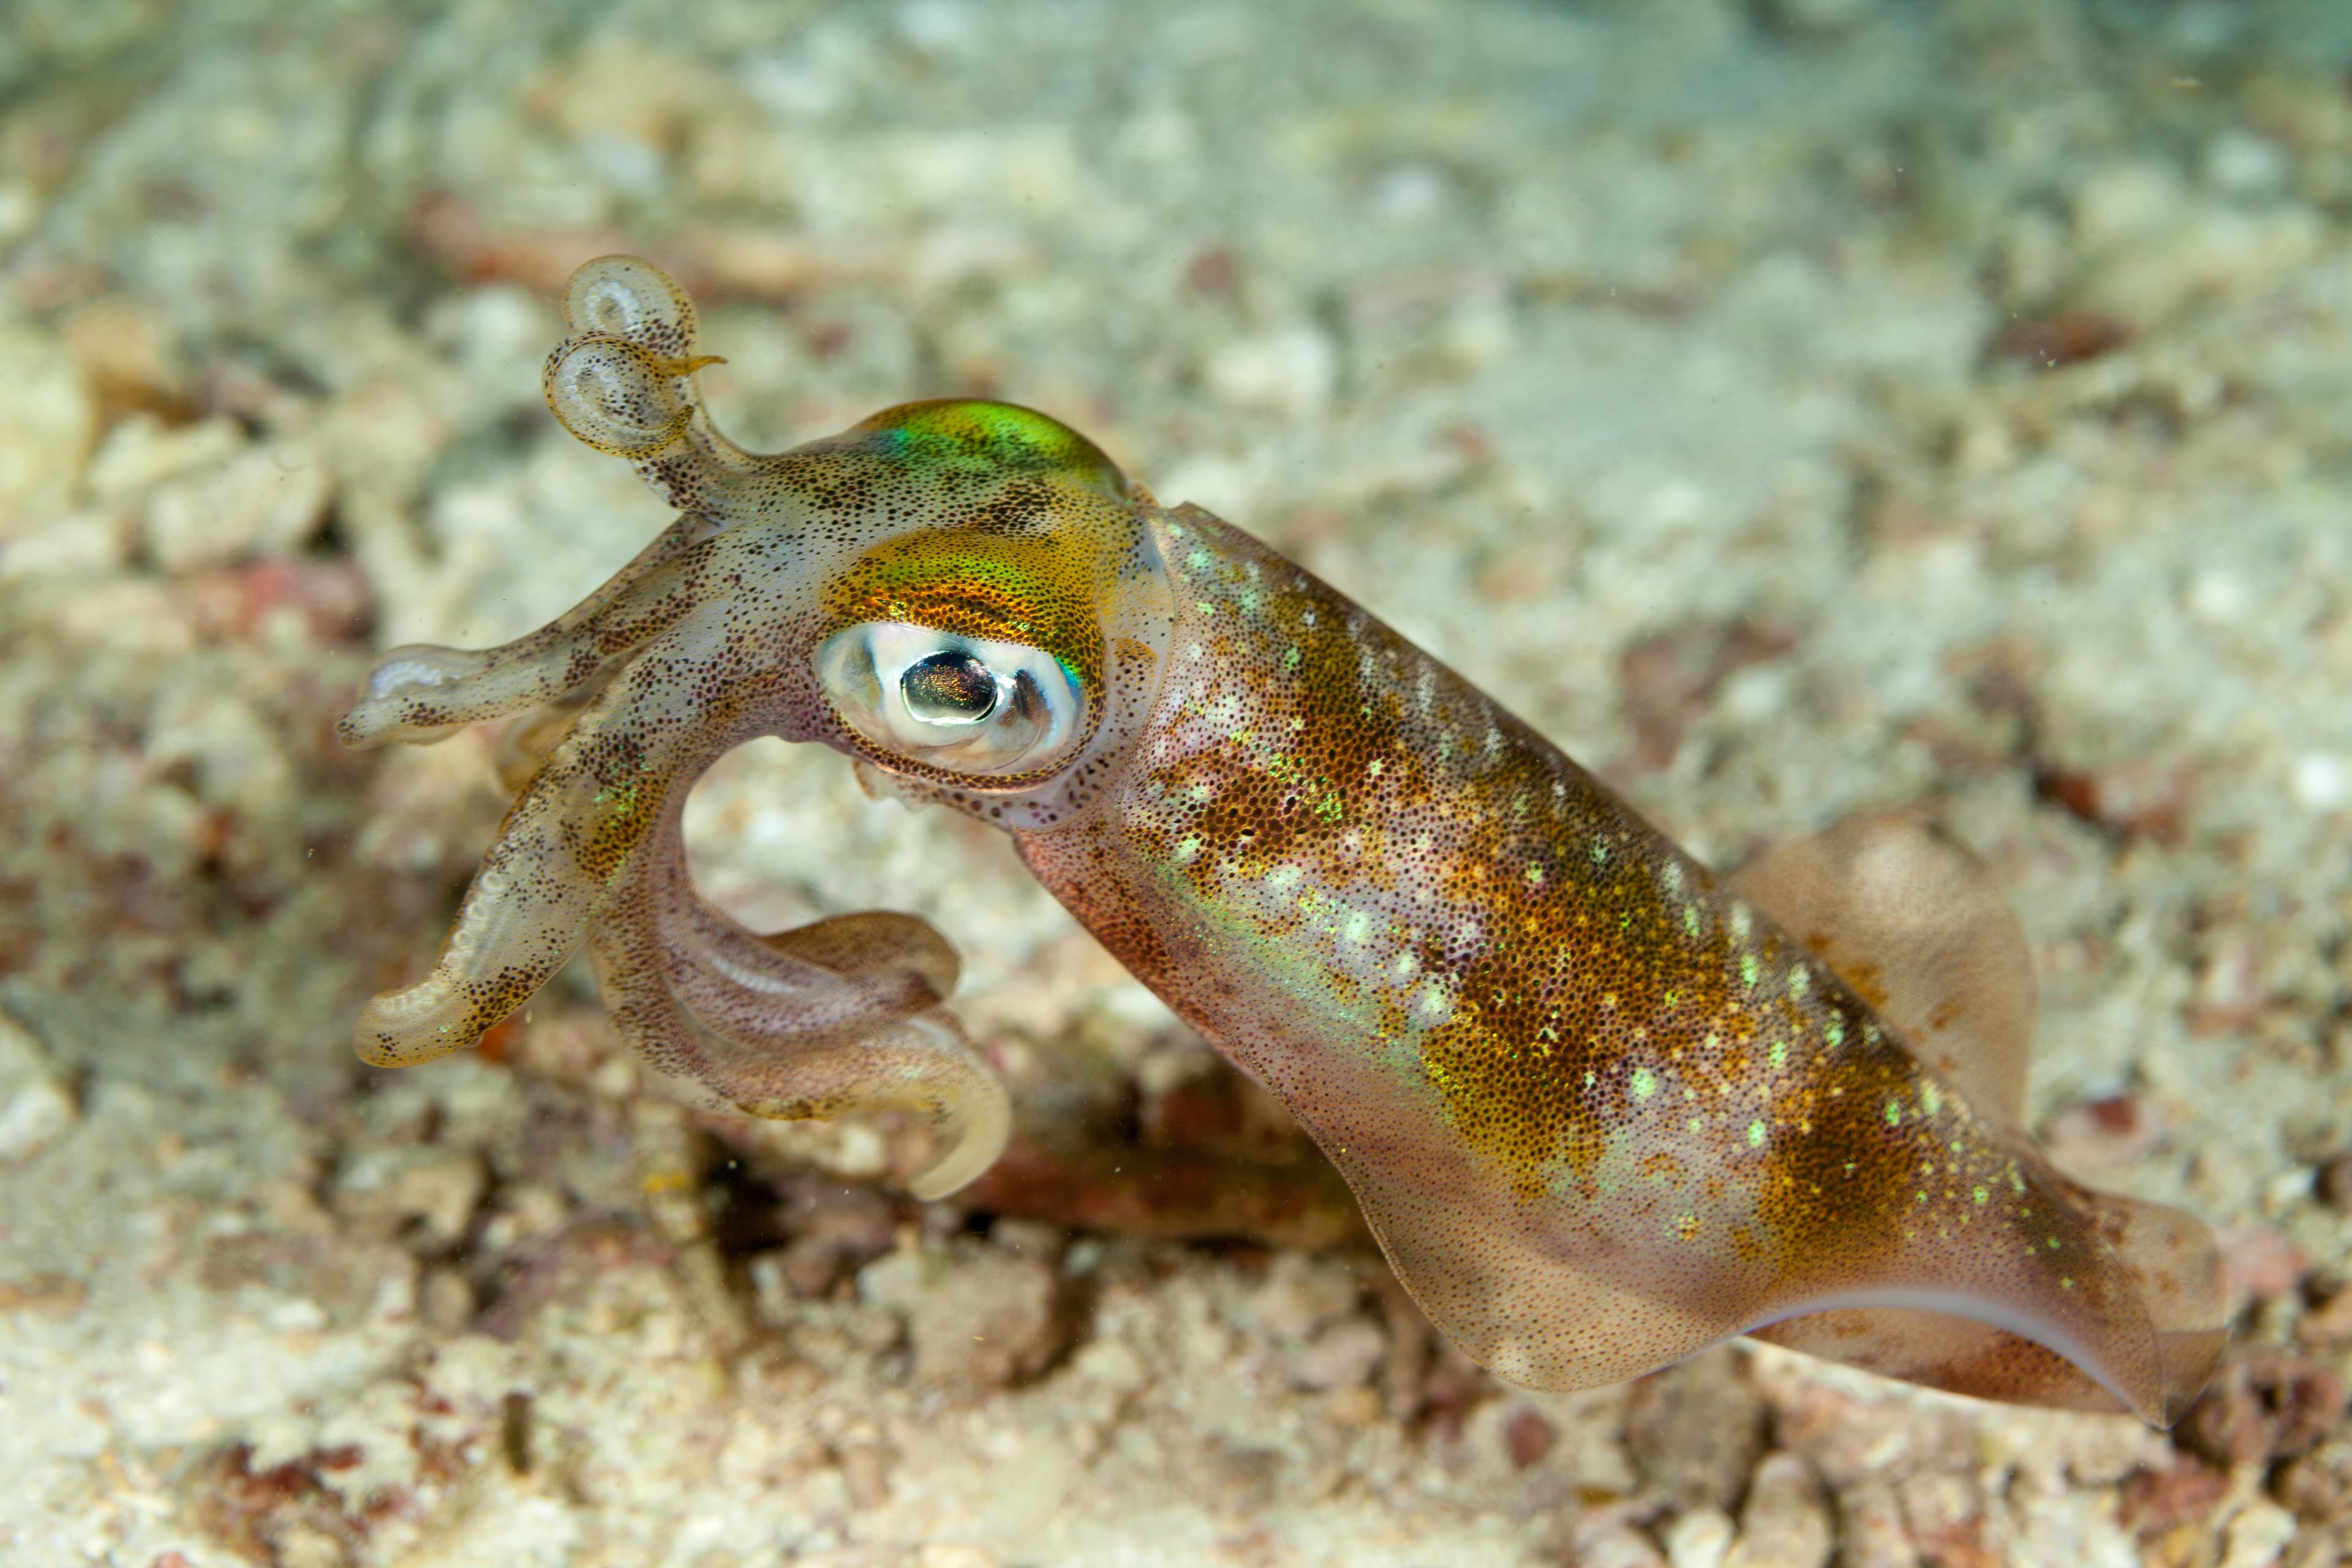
(988, 439)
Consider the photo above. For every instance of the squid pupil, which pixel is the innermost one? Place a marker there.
(948, 688)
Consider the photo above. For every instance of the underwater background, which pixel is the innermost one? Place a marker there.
(1789, 406)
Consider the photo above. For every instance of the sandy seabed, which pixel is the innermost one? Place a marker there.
(1790, 409)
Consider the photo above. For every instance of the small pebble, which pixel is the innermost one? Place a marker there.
(2328, 1323)
(1342, 1356)
(865, 1466)
(1616, 1546)
(1300, 1295)
(2258, 1264)
(1697, 1429)
(2264, 1406)
(1699, 1539)
(35, 1108)
(2154, 1502)
(1783, 1523)
(2321, 781)
(942, 1555)
(441, 1193)
(2258, 1534)
(1290, 373)
(1527, 1437)
(266, 501)
(446, 1301)
(989, 1319)
(2333, 1183)
(2318, 1485)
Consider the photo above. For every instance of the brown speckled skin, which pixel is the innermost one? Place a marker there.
(1600, 1112)
(1599, 1109)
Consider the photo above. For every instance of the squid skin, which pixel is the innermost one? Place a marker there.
(1602, 1108)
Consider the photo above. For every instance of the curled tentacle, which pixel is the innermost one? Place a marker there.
(624, 383)
(805, 985)
(628, 297)
(922, 1067)
(618, 396)
(835, 1018)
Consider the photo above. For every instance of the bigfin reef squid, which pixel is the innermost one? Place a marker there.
(1602, 1108)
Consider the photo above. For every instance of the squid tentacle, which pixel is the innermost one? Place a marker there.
(735, 1022)
(421, 692)
(563, 844)
(764, 991)
(627, 382)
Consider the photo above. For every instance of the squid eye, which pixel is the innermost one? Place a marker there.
(967, 705)
(948, 688)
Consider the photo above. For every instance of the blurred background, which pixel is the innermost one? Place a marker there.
(1790, 407)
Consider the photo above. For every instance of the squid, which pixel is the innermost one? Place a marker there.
(1603, 1107)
